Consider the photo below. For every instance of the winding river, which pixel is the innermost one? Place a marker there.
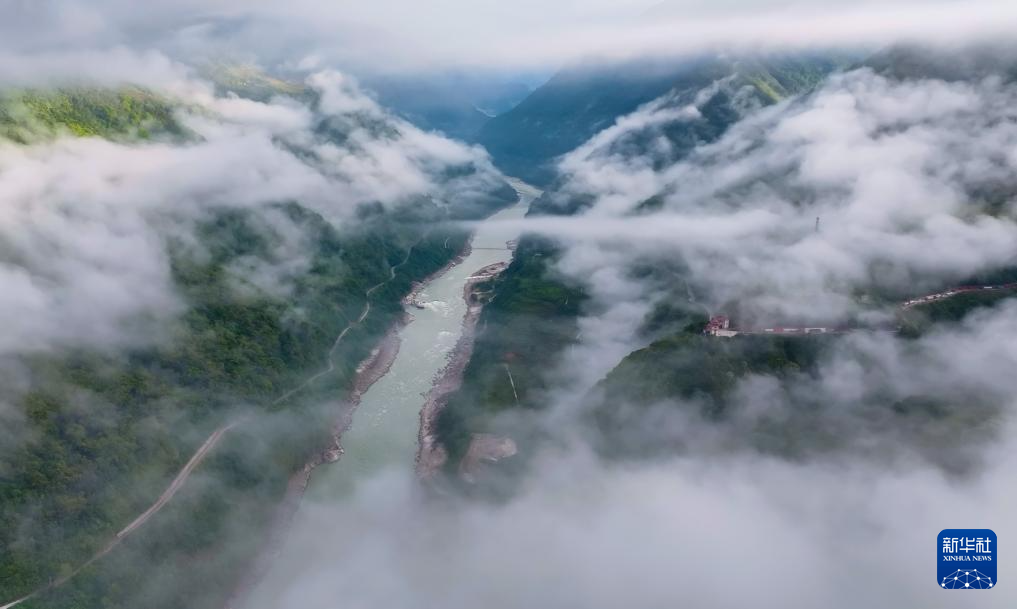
(385, 424)
(384, 432)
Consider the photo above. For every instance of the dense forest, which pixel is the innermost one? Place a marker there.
(524, 328)
(123, 114)
(534, 314)
(107, 432)
(701, 378)
(579, 102)
(681, 373)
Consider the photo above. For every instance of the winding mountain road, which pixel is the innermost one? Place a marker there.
(329, 360)
(177, 482)
(211, 442)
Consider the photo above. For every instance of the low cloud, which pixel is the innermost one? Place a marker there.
(393, 35)
(719, 533)
(103, 64)
(721, 524)
(912, 182)
(87, 222)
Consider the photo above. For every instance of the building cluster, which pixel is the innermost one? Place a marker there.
(797, 331)
(932, 298)
(720, 325)
(953, 292)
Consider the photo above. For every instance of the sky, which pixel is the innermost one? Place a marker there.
(397, 36)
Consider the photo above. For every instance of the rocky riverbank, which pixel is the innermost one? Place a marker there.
(370, 371)
(411, 299)
(431, 455)
(377, 367)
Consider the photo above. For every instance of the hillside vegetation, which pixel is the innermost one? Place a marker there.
(105, 433)
(698, 394)
(534, 316)
(523, 329)
(920, 319)
(642, 407)
(579, 102)
(124, 113)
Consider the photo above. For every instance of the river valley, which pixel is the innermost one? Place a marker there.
(383, 435)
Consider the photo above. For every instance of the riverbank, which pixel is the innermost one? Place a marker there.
(369, 372)
(431, 455)
(387, 428)
(410, 300)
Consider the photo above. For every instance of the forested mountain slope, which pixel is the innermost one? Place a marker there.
(247, 287)
(457, 104)
(533, 317)
(28, 115)
(577, 103)
(669, 221)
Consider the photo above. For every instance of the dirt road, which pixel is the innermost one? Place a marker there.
(210, 443)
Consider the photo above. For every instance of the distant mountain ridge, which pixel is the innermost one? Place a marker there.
(535, 315)
(458, 105)
(577, 103)
(243, 337)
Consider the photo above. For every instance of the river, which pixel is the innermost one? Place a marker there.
(383, 435)
(385, 425)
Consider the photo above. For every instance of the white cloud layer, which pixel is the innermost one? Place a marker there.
(399, 35)
(903, 174)
(914, 183)
(892, 168)
(86, 222)
(720, 526)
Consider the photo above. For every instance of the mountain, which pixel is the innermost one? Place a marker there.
(128, 112)
(579, 102)
(456, 104)
(250, 81)
(245, 237)
(973, 63)
(672, 193)
(533, 319)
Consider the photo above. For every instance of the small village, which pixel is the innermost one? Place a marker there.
(721, 326)
(953, 292)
